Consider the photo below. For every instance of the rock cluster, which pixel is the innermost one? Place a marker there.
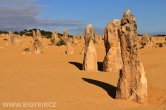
(146, 41)
(90, 54)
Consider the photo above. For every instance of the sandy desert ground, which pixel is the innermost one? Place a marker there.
(55, 76)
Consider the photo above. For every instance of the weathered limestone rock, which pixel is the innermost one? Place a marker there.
(39, 36)
(82, 50)
(65, 34)
(11, 38)
(146, 41)
(89, 34)
(81, 41)
(113, 59)
(157, 39)
(34, 35)
(37, 43)
(65, 38)
(69, 48)
(145, 38)
(90, 54)
(132, 84)
(54, 39)
(17, 40)
(74, 40)
(98, 39)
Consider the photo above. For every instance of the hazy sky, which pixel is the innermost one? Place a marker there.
(55, 15)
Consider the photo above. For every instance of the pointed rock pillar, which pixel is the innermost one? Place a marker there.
(90, 54)
(132, 84)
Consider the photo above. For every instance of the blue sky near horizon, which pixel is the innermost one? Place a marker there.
(55, 15)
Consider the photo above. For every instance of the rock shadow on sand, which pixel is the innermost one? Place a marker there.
(100, 66)
(78, 65)
(110, 89)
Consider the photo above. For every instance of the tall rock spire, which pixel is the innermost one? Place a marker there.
(132, 84)
(90, 54)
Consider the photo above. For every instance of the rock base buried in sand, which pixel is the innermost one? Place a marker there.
(90, 54)
(132, 84)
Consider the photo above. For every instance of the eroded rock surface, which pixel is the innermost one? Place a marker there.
(132, 84)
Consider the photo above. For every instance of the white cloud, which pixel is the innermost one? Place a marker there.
(16, 18)
(18, 1)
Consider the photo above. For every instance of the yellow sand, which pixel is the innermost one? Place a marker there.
(54, 76)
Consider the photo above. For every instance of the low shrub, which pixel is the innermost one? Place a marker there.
(61, 42)
(26, 50)
(160, 45)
